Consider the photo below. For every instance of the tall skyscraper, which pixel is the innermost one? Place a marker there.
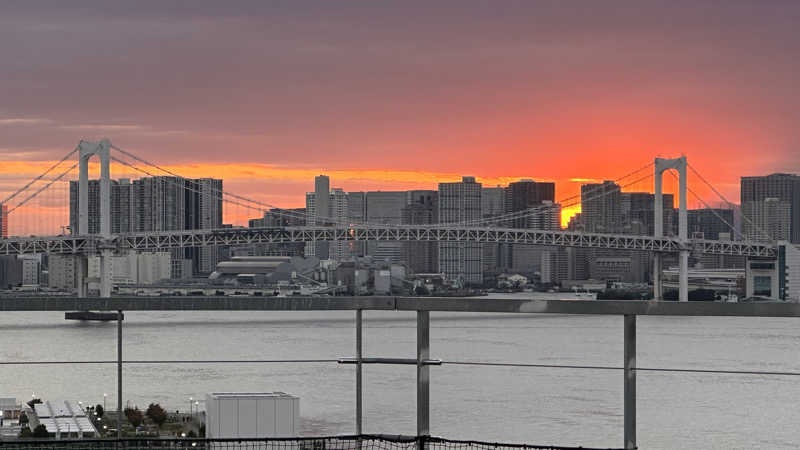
(338, 250)
(209, 217)
(422, 209)
(535, 208)
(461, 203)
(327, 207)
(771, 205)
(527, 194)
(317, 212)
(601, 207)
(385, 207)
(160, 203)
(637, 212)
(3, 220)
(710, 223)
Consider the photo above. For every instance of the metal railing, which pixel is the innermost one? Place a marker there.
(422, 306)
(355, 442)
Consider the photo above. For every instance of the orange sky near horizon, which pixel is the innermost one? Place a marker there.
(284, 186)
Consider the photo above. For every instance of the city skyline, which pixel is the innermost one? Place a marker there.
(545, 91)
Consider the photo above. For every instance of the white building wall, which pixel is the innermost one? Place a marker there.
(792, 285)
(30, 270)
(61, 270)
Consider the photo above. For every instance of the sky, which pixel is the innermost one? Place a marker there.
(397, 95)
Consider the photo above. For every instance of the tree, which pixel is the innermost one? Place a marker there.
(40, 432)
(191, 434)
(157, 414)
(134, 416)
(100, 411)
(202, 430)
(25, 433)
(421, 290)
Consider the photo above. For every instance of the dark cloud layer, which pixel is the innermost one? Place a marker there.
(512, 86)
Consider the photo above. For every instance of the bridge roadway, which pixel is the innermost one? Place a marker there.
(442, 304)
(164, 240)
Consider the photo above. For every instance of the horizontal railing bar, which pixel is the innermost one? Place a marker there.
(441, 304)
(638, 369)
(544, 366)
(409, 361)
(145, 361)
(406, 361)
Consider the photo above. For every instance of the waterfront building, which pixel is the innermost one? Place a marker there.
(422, 209)
(385, 208)
(160, 203)
(460, 202)
(3, 220)
(771, 207)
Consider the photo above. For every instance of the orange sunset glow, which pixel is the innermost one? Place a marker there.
(380, 100)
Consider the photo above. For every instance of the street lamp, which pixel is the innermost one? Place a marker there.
(104, 401)
(190, 406)
(196, 409)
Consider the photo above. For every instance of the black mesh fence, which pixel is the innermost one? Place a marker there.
(362, 442)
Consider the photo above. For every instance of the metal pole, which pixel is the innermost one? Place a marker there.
(119, 374)
(359, 379)
(630, 381)
(423, 373)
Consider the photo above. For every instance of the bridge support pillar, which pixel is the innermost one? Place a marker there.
(658, 287)
(630, 381)
(662, 165)
(102, 150)
(423, 373)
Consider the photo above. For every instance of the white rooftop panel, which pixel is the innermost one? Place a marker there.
(41, 410)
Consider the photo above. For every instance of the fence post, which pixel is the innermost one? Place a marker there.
(119, 374)
(359, 379)
(423, 373)
(630, 381)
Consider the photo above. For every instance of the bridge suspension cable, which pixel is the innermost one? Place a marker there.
(43, 188)
(261, 205)
(30, 183)
(578, 198)
(722, 197)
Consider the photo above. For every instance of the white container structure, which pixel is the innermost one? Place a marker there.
(252, 415)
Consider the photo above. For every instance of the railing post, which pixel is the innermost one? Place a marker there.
(119, 374)
(423, 373)
(359, 379)
(630, 381)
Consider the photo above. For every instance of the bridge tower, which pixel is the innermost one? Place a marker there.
(662, 165)
(102, 150)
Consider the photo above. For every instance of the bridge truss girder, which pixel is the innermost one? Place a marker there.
(164, 240)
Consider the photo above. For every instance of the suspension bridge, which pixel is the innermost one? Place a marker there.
(82, 243)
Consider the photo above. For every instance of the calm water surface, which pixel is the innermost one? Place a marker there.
(533, 405)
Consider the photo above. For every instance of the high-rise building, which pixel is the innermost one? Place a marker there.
(493, 206)
(317, 213)
(357, 213)
(533, 206)
(385, 208)
(771, 206)
(460, 202)
(339, 250)
(10, 271)
(637, 211)
(3, 220)
(278, 217)
(160, 203)
(709, 223)
(527, 194)
(422, 209)
(601, 207)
